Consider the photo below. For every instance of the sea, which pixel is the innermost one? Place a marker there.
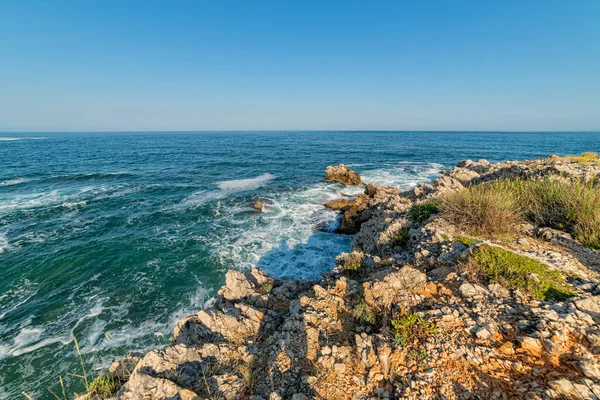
(112, 237)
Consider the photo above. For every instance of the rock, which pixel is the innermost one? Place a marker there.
(588, 368)
(342, 174)
(591, 306)
(299, 396)
(343, 204)
(532, 346)
(483, 333)
(258, 206)
(471, 291)
(395, 285)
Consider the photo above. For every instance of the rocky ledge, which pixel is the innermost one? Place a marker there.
(400, 317)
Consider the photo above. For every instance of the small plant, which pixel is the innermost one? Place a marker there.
(363, 313)
(445, 236)
(421, 212)
(401, 338)
(266, 287)
(410, 327)
(352, 267)
(514, 271)
(467, 241)
(103, 386)
(401, 237)
(419, 355)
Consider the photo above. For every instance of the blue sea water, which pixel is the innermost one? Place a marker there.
(127, 232)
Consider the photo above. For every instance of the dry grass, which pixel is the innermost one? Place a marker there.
(484, 209)
(572, 206)
(495, 209)
(589, 157)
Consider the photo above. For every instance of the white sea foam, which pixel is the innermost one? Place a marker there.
(226, 188)
(9, 139)
(4, 246)
(12, 182)
(282, 239)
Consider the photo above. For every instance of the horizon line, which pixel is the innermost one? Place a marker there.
(303, 130)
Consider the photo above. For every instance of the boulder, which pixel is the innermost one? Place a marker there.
(342, 174)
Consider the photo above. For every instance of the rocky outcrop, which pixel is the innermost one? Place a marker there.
(342, 174)
(399, 317)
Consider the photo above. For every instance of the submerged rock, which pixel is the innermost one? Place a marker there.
(342, 174)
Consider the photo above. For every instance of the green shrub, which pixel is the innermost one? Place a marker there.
(422, 211)
(401, 237)
(514, 271)
(266, 287)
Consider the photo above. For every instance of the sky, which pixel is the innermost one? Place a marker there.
(110, 65)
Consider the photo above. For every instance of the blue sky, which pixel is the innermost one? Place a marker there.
(237, 65)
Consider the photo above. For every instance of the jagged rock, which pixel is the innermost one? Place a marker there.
(342, 174)
(233, 322)
(258, 206)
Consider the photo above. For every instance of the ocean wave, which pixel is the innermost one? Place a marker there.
(9, 139)
(4, 246)
(12, 182)
(93, 176)
(240, 185)
(226, 188)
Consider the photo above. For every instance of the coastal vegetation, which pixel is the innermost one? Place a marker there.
(420, 212)
(494, 209)
(513, 271)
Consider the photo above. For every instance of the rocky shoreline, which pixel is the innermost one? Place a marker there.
(398, 317)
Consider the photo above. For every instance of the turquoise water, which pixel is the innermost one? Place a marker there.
(127, 232)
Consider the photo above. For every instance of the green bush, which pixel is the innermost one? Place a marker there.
(421, 212)
(514, 271)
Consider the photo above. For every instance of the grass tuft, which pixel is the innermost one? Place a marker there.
(422, 211)
(514, 271)
(486, 209)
